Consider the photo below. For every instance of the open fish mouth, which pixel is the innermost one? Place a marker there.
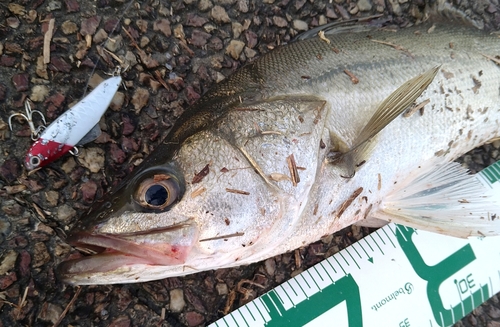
(166, 246)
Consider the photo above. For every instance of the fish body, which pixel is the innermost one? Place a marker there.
(68, 130)
(287, 150)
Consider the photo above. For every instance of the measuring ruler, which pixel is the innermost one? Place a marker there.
(396, 276)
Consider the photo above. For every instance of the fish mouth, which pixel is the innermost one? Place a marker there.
(112, 253)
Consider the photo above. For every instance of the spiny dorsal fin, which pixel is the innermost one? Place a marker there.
(387, 111)
(445, 200)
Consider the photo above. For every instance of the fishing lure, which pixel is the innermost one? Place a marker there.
(76, 126)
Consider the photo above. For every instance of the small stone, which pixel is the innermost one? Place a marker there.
(144, 41)
(177, 302)
(100, 36)
(364, 5)
(58, 64)
(179, 32)
(142, 25)
(72, 6)
(65, 213)
(163, 25)
(130, 58)
(117, 102)
(13, 22)
(199, 38)
(204, 5)
(17, 9)
(89, 25)
(69, 165)
(24, 263)
(396, 8)
(496, 144)
(127, 125)
(270, 266)
(280, 21)
(322, 20)
(114, 43)
(54, 5)
(7, 280)
(140, 99)
(242, 6)
(193, 318)
(10, 170)
(221, 288)
(117, 154)
(52, 197)
(92, 159)
(235, 48)
(220, 15)
(195, 20)
(41, 255)
(50, 312)
(39, 93)
(237, 29)
(251, 38)
(353, 9)
(249, 53)
(8, 262)
(300, 25)
(89, 190)
(20, 82)
(69, 27)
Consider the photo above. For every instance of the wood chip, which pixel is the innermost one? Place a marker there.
(198, 177)
(496, 60)
(322, 36)
(292, 166)
(46, 41)
(160, 177)
(354, 79)
(415, 108)
(395, 46)
(231, 190)
(298, 259)
(277, 177)
(198, 192)
(348, 202)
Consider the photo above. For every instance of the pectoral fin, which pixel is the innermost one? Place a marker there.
(445, 200)
(387, 111)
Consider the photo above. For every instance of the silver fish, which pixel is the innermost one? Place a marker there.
(322, 133)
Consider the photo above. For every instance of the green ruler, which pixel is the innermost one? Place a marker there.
(396, 276)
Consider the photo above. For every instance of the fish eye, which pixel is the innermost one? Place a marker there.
(157, 192)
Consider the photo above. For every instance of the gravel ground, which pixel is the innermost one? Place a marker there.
(176, 50)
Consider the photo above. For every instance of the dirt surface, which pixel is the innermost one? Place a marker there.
(176, 50)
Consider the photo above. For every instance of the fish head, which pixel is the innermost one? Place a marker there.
(157, 221)
(223, 196)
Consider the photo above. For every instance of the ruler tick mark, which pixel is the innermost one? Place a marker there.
(383, 230)
(376, 244)
(340, 265)
(352, 258)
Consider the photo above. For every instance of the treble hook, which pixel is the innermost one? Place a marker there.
(35, 132)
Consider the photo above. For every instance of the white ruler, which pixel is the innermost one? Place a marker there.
(396, 276)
